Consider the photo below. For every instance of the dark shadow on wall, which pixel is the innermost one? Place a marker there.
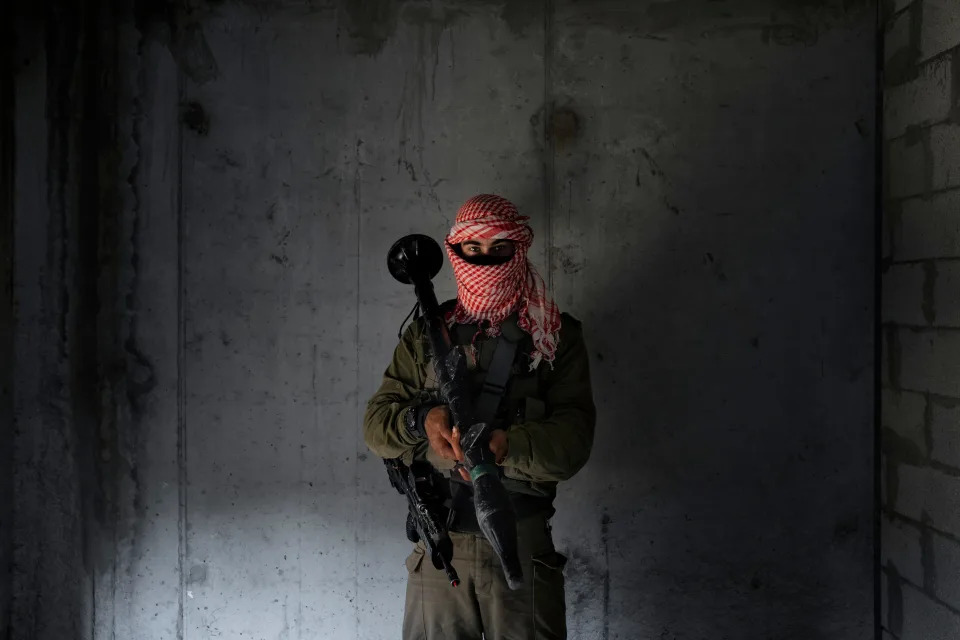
(61, 306)
(6, 314)
(731, 363)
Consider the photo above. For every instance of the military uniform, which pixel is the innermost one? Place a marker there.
(549, 418)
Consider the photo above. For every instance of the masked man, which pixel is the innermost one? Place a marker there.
(546, 418)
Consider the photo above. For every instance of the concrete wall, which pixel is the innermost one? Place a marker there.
(6, 317)
(67, 272)
(921, 316)
(700, 177)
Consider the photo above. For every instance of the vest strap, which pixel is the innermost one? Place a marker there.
(495, 382)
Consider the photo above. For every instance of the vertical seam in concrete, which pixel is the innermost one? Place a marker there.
(356, 395)
(928, 306)
(181, 380)
(605, 540)
(8, 427)
(548, 141)
(927, 561)
(894, 224)
(954, 116)
(928, 163)
(93, 613)
(893, 355)
(879, 193)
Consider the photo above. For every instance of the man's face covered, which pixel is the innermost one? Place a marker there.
(485, 251)
(487, 247)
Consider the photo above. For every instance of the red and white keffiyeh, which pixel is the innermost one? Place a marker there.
(492, 292)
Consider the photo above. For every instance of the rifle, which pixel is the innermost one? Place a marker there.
(415, 259)
(421, 524)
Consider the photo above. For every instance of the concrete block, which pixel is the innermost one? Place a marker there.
(939, 27)
(927, 228)
(885, 599)
(910, 490)
(902, 412)
(946, 569)
(890, 358)
(891, 602)
(945, 156)
(896, 37)
(926, 619)
(945, 432)
(906, 166)
(923, 492)
(891, 225)
(899, 5)
(903, 294)
(923, 101)
(883, 482)
(930, 361)
(900, 547)
(946, 294)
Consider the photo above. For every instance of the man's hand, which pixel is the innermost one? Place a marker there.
(498, 445)
(439, 434)
(445, 440)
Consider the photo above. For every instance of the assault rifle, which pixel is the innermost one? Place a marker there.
(421, 522)
(416, 259)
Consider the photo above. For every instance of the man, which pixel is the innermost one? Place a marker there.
(546, 417)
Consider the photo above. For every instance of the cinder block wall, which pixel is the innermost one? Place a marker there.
(920, 402)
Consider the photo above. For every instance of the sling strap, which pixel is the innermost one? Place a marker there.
(495, 382)
(494, 387)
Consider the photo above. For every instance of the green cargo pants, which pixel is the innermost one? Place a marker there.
(483, 606)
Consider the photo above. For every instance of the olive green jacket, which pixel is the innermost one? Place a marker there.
(550, 442)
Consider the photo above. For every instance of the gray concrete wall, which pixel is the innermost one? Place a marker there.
(700, 178)
(921, 316)
(6, 318)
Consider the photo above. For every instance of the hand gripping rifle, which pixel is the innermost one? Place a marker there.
(416, 259)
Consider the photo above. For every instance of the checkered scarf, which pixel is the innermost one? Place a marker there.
(492, 292)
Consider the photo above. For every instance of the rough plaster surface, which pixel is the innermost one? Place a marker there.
(701, 187)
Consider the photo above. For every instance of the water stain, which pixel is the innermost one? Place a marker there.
(368, 24)
(569, 258)
(585, 576)
(564, 126)
(198, 574)
(605, 541)
(190, 49)
(195, 118)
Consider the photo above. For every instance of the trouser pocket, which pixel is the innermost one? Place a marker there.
(549, 608)
(414, 560)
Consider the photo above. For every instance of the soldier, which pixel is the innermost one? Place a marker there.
(546, 417)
